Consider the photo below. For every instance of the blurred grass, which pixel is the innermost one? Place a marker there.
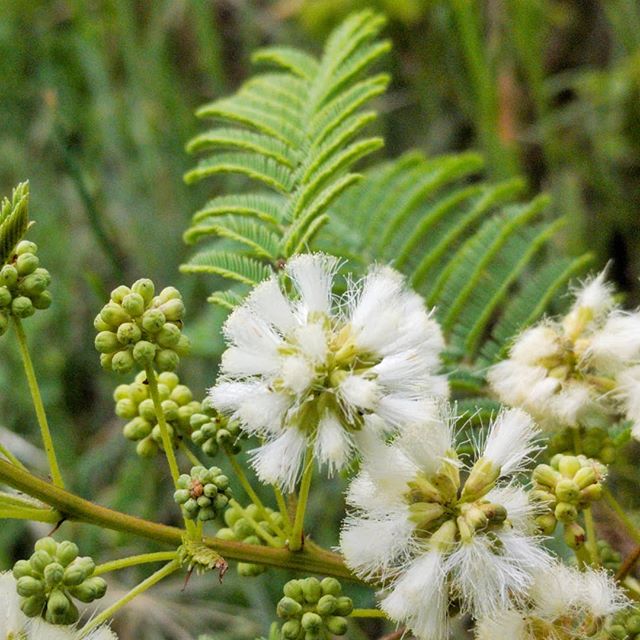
(97, 102)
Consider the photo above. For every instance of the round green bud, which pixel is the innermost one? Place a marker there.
(169, 293)
(585, 476)
(144, 352)
(291, 629)
(129, 333)
(568, 466)
(163, 391)
(87, 564)
(42, 300)
(105, 360)
(632, 623)
(153, 320)
(173, 309)
(206, 513)
(137, 429)
(121, 392)
(607, 454)
(119, 293)
(73, 575)
(8, 275)
(5, 297)
(220, 502)
(337, 625)
(183, 348)
(293, 589)
(147, 410)
(225, 534)
(122, 362)
(47, 544)
(58, 603)
(546, 523)
(4, 322)
(170, 410)
(27, 587)
(22, 307)
(133, 304)
(32, 606)
(91, 589)
(311, 590)
(53, 574)
(167, 360)
(242, 528)
(169, 336)
(67, 552)
(144, 288)
(147, 448)
(565, 512)
(288, 608)
(100, 325)
(591, 493)
(326, 605)
(26, 246)
(311, 621)
(231, 516)
(138, 391)
(567, 490)
(27, 263)
(44, 273)
(106, 342)
(181, 495)
(39, 560)
(210, 448)
(169, 380)
(222, 482)
(33, 284)
(344, 606)
(126, 409)
(114, 315)
(617, 632)
(22, 568)
(574, 535)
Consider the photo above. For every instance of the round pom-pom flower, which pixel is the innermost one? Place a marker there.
(308, 371)
(203, 493)
(437, 532)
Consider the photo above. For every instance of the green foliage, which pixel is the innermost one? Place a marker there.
(14, 220)
(297, 131)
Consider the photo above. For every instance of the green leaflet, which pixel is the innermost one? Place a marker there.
(14, 220)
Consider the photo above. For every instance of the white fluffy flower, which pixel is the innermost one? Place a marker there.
(563, 604)
(305, 370)
(430, 537)
(579, 368)
(14, 625)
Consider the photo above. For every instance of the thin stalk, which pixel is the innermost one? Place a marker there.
(162, 424)
(26, 513)
(631, 528)
(56, 476)
(132, 561)
(260, 530)
(367, 613)
(74, 508)
(107, 614)
(193, 459)
(296, 541)
(628, 564)
(282, 505)
(10, 457)
(591, 542)
(246, 485)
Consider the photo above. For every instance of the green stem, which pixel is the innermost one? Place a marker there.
(162, 424)
(74, 508)
(37, 403)
(132, 561)
(591, 542)
(367, 613)
(260, 530)
(10, 457)
(629, 525)
(246, 485)
(282, 505)
(296, 541)
(26, 513)
(107, 614)
(193, 459)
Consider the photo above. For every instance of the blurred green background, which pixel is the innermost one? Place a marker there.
(96, 105)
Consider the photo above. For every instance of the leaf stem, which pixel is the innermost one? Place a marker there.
(56, 476)
(367, 613)
(296, 541)
(193, 459)
(26, 513)
(9, 456)
(591, 542)
(132, 561)
(282, 505)
(107, 614)
(624, 518)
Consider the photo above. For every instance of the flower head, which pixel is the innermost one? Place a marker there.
(437, 531)
(581, 369)
(307, 370)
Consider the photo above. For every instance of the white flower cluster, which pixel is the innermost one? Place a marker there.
(306, 370)
(583, 369)
(563, 604)
(433, 539)
(14, 625)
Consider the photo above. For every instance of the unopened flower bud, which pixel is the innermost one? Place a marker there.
(565, 512)
(293, 589)
(546, 524)
(128, 333)
(145, 288)
(585, 476)
(153, 320)
(592, 493)
(326, 605)
(288, 608)
(27, 587)
(27, 263)
(567, 490)
(144, 352)
(114, 315)
(312, 590)
(337, 625)
(344, 606)
(53, 574)
(32, 606)
(546, 475)
(167, 360)
(568, 466)
(22, 307)
(122, 362)
(311, 621)
(106, 342)
(574, 535)
(5, 297)
(291, 629)
(42, 300)
(147, 448)
(133, 303)
(8, 275)
(26, 246)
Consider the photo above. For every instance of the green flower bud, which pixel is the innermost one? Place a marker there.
(311, 621)
(169, 293)
(183, 348)
(138, 391)
(291, 629)
(26, 246)
(57, 603)
(168, 336)
(585, 476)
(34, 284)
(607, 454)
(568, 466)
(126, 409)
(147, 448)
(114, 315)
(293, 589)
(231, 516)
(344, 606)
(546, 476)
(326, 605)
(330, 586)
(5, 297)
(27, 263)
(91, 589)
(133, 304)
(311, 590)
(137, 429)
(591, 493)
(144, 352)
(181, 495)
(106, 342)
(8, 275)
(119, 293)
(169, 380)
(39, 560)
(546, 524)
(22, 568)
(337, 625)
(565, 512)
(153, 320)
(170, 410)
(22, 307)
(42, 301)
(147, 410)
(249, 570)
(100, 325)
(122, 362)
(33, 606)
(167, 360)
(225, 534)
(145, 288)
(129, 333)
(567, 490)
(617, 632)
(73, 575)
(27, 587)
(574, 535)
(47, 544)
(53, 574)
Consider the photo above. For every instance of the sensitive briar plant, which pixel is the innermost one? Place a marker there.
(306, 371)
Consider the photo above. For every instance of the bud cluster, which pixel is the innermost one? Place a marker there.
(625, 625)
(23, 285)
(241, 528)
(596, 443)
(136, 327)
(609, 557)
(212, 430)
(134, 403)
(313, 609)
(566, 486)
(203, 493)
(51, 577)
